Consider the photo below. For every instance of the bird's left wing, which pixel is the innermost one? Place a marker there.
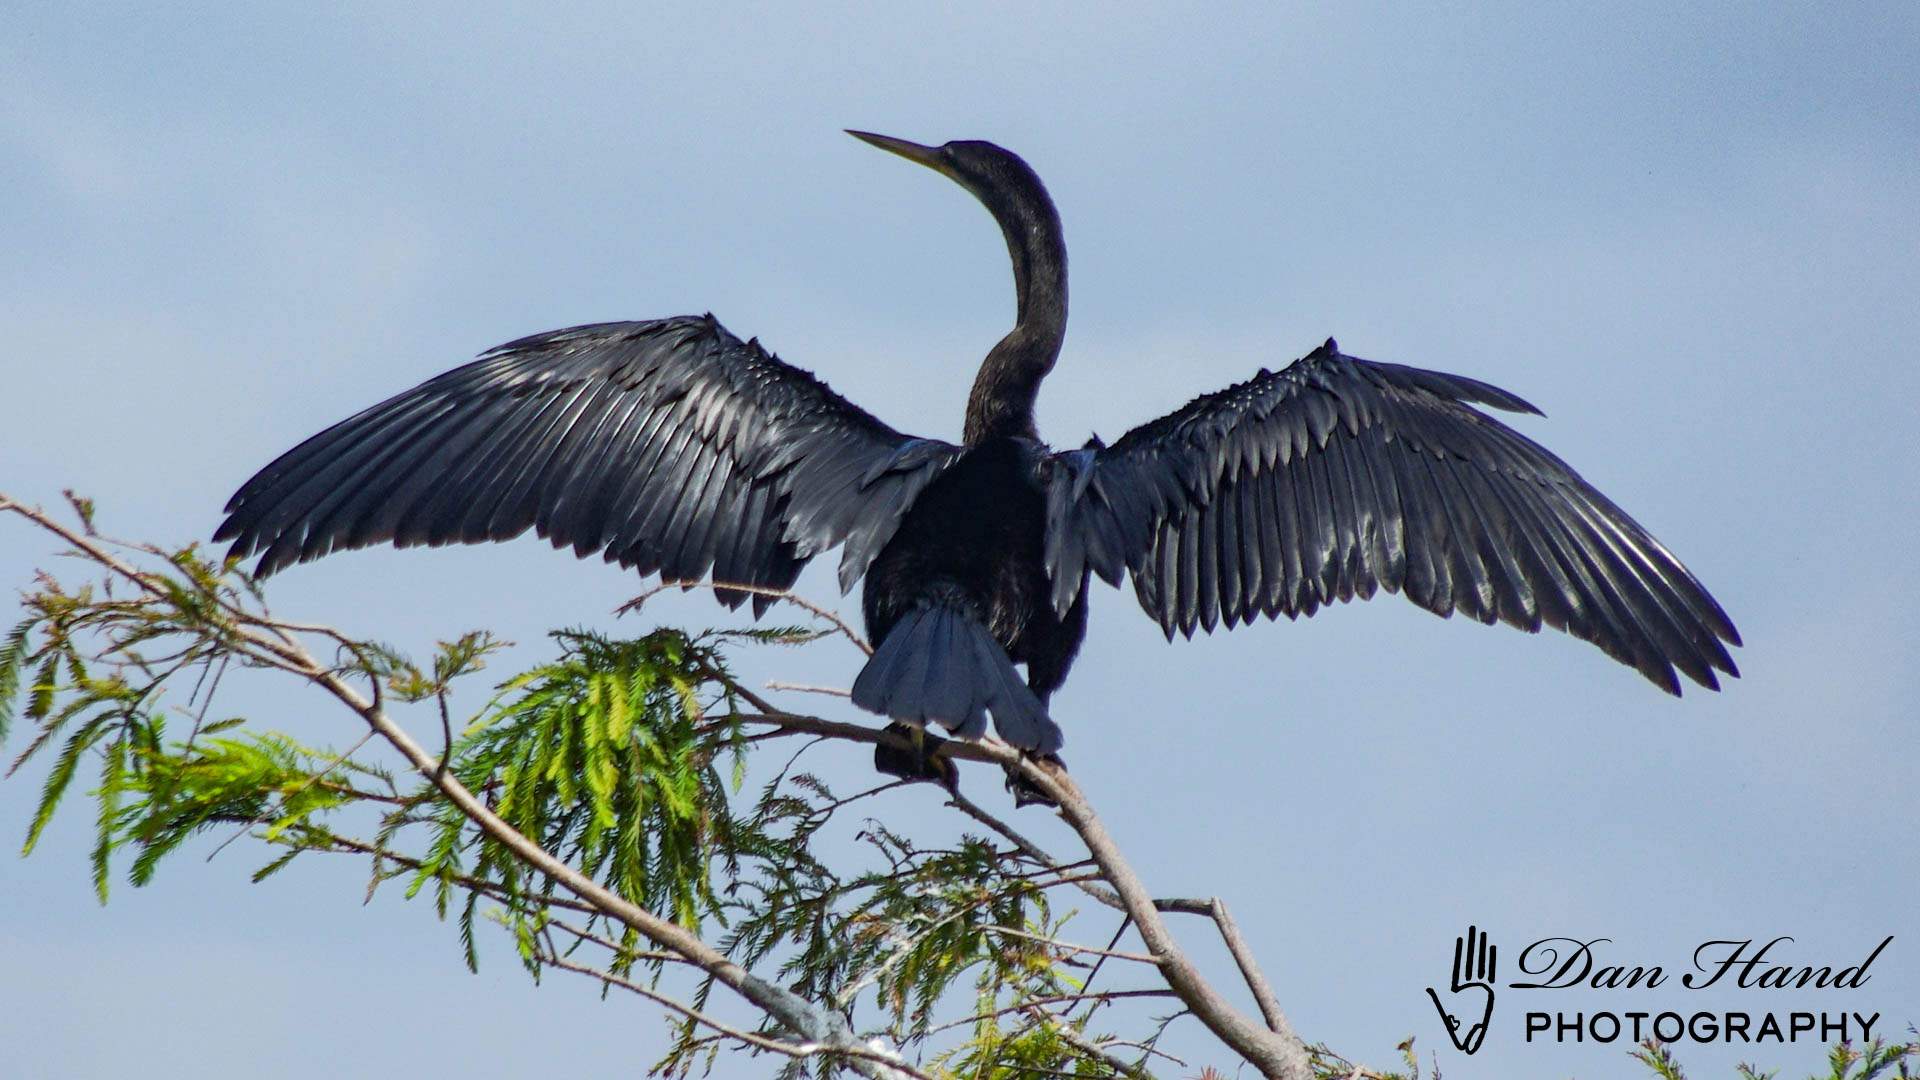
(671, 446)
(1338, 476)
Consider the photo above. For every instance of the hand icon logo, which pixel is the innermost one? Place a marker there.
(1473, 963)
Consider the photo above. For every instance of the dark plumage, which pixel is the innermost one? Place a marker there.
(675, 448)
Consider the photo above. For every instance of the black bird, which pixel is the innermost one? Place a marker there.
(674, 447)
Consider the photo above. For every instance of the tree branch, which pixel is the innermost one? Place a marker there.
(1250, 971)
(891, 1063)
(1276, 1051)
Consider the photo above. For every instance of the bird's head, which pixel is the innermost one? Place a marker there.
(996, 176)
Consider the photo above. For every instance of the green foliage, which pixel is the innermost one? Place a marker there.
(155, 798)
(607, 758)
(101, 668)
(1876, 1061)
(13, 657)
(1658, 1060)
(1328, 1065)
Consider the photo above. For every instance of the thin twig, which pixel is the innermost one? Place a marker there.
(492, 889)
(785, 595)
(808, 688)
(793, 1050)
(1118, 932)
(206, 703)
(1050, 999)
(446, 733)
(1027, 847)
(827, 810)
(1079, 1042)
(1147, 1048)
(1068, 946)
(846, 995)
(613, 946)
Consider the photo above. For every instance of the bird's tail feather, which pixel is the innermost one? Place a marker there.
(939, 665)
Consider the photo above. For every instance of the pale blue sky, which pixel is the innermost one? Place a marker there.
(1692, 238)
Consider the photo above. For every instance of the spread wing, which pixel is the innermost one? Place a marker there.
(671, 446)
(1337, 477)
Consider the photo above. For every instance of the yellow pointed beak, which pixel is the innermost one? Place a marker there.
(930, 156)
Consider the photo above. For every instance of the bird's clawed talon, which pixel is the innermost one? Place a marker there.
(926, 760)
(923, 761)
(1026, 792)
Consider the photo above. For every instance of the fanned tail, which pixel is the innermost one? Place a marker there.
(938, 665)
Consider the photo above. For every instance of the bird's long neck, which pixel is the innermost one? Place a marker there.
(1001, 404)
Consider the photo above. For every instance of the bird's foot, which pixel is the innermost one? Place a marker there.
(1025, 791)
(921, 761)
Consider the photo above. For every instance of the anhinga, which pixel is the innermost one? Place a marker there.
(674, 447)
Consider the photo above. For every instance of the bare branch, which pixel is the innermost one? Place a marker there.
(1146, 1048)
(614, 947)
(805, 688)
(491, 889)
(890, 1063)
(839, 624)
(1052, 999)
(1118, 932)
(1068, 946)
(1032, 850)
(1243, 956)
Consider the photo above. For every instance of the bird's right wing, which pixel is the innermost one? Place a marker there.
(671, 446)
